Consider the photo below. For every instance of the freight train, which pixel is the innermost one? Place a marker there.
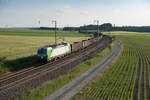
(53, 52)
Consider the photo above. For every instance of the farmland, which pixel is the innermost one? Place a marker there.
(128, 78)
(18, 47)
(39, 33)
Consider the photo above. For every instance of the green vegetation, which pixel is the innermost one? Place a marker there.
(116, 33)
(39, 33)
(14, 47)
(109, 27)
(128, 78)
(62, 80)
(18, 47)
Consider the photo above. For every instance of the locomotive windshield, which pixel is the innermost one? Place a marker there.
(42, 51)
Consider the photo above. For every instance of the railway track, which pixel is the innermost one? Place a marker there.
(26, 72)
(12, 84)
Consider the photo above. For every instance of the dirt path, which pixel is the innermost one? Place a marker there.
(70, 89)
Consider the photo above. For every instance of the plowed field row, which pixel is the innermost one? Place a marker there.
(128, 78)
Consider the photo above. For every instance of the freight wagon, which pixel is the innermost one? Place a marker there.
(76, 46)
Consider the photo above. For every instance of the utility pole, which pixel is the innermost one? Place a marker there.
(39, 22)
(97, 21)
(85, 28)
(55, 22)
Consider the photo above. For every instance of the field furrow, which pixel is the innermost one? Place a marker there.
(147, 80)
(135, 92)
(128, 78)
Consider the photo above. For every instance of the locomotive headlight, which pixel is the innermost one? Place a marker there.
(42, 56)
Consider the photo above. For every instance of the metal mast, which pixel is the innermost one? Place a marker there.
(97, 21)
(55, 22)
(39, 22)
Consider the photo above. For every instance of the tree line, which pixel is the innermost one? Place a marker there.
(103, 27)
(107, 27)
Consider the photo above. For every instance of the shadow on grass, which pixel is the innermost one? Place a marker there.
(18, 64)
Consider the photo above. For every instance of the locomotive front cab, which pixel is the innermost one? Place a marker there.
(42, 53)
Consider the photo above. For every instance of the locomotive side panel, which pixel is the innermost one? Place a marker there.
(59, 51)
(49, 53)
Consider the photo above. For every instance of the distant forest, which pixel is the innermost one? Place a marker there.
(108, 27)
(103, 27)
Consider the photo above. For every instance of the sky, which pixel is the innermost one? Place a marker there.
(28, 13)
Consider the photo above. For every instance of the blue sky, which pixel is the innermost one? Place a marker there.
(24, 13)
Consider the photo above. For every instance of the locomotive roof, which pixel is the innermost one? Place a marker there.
(56, 46)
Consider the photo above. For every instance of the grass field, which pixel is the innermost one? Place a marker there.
(129, 77)
(116, 33)
(39, 33)
(18, 47)
(14, 47)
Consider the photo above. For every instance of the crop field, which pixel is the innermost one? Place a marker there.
(15, 43)
(39, 33)
(18, 47)
(128, 78)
